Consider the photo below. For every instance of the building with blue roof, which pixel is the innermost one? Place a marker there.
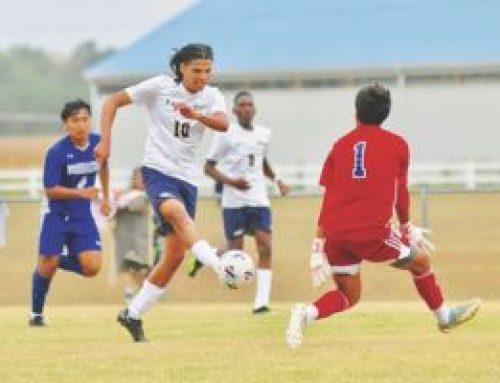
(305, 60)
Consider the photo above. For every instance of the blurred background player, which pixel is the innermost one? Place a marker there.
(245, 202)
(131, 234)
(180, 109)
(365, 177)
(69, 238)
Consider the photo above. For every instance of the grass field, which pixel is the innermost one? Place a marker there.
(219, 341)
(465, 232)
(376, 342)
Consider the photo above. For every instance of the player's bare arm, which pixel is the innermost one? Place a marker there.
(216, 121)
(111, 105)
(105, 206)
(212, 171)
(62, 192)
(269, 173)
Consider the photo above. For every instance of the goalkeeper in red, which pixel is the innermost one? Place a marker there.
(366, 179)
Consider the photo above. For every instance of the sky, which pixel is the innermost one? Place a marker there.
(60, 25)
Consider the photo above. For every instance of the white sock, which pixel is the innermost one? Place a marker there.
(311, 313)
(205, 253)
(144, 299)
(442, 314)
(263, 288)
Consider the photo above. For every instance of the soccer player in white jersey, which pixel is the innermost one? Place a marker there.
(245, 202)
(180, 109)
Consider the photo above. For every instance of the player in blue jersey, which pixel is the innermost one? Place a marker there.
(69, 239)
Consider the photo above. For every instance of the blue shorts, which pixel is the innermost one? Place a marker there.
(246, 220)
(61, 234)
(160, 187)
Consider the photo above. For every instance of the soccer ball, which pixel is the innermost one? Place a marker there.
(236, 268)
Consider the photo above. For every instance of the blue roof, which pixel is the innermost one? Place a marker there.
(296, 35)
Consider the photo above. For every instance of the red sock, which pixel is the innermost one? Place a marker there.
(429, 289)
(330, 303)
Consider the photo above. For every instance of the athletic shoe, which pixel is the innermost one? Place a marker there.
(194, 265)
(295, 331)
(460, 314)
(134, 326)
(37, 321)
(261, 310)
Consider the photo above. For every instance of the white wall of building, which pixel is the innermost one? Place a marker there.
(443, 121)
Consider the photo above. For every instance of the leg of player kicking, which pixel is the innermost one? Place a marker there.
(430, 291)
(175, 213)
(184, 235)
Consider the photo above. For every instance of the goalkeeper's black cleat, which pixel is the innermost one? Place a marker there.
(194, 266)
(261, 310)
(133, 326)
(37, 321)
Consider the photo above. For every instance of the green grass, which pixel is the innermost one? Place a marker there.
(376, 342)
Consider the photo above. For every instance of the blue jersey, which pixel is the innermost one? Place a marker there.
(72, 167)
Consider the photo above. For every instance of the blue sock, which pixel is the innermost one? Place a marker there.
(39, 292)
(70, 263)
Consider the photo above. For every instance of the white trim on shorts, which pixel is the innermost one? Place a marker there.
(349, 269)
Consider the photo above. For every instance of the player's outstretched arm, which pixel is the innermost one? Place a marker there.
(108, 113)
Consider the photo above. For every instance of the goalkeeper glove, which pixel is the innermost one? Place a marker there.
(318, 265)
(418, 237)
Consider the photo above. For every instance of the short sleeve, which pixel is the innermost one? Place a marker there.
(217, 103)
(52, 169)
(326, 177)
(145, 91)
(219, 147)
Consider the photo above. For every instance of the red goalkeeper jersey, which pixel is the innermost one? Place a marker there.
(365, 177)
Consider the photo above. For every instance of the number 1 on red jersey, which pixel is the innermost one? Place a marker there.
(359, 170)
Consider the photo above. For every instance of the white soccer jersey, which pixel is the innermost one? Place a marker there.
(242, 153)
(172, 140)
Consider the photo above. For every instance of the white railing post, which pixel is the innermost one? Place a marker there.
(470, 174)
(33, 183)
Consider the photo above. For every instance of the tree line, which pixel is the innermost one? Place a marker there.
(34, 80)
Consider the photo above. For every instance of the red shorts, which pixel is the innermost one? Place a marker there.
(345, 257)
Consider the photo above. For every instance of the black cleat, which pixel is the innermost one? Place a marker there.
(194, 266)
(37, 321)
(134, 326)
(261, 310)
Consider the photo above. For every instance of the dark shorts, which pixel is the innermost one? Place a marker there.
(62, 234)
(245, 220)
(345, 257)
(160, 187)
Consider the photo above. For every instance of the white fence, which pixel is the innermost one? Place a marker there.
(27, 183)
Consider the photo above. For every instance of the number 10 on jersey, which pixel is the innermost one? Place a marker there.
(181, 129)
